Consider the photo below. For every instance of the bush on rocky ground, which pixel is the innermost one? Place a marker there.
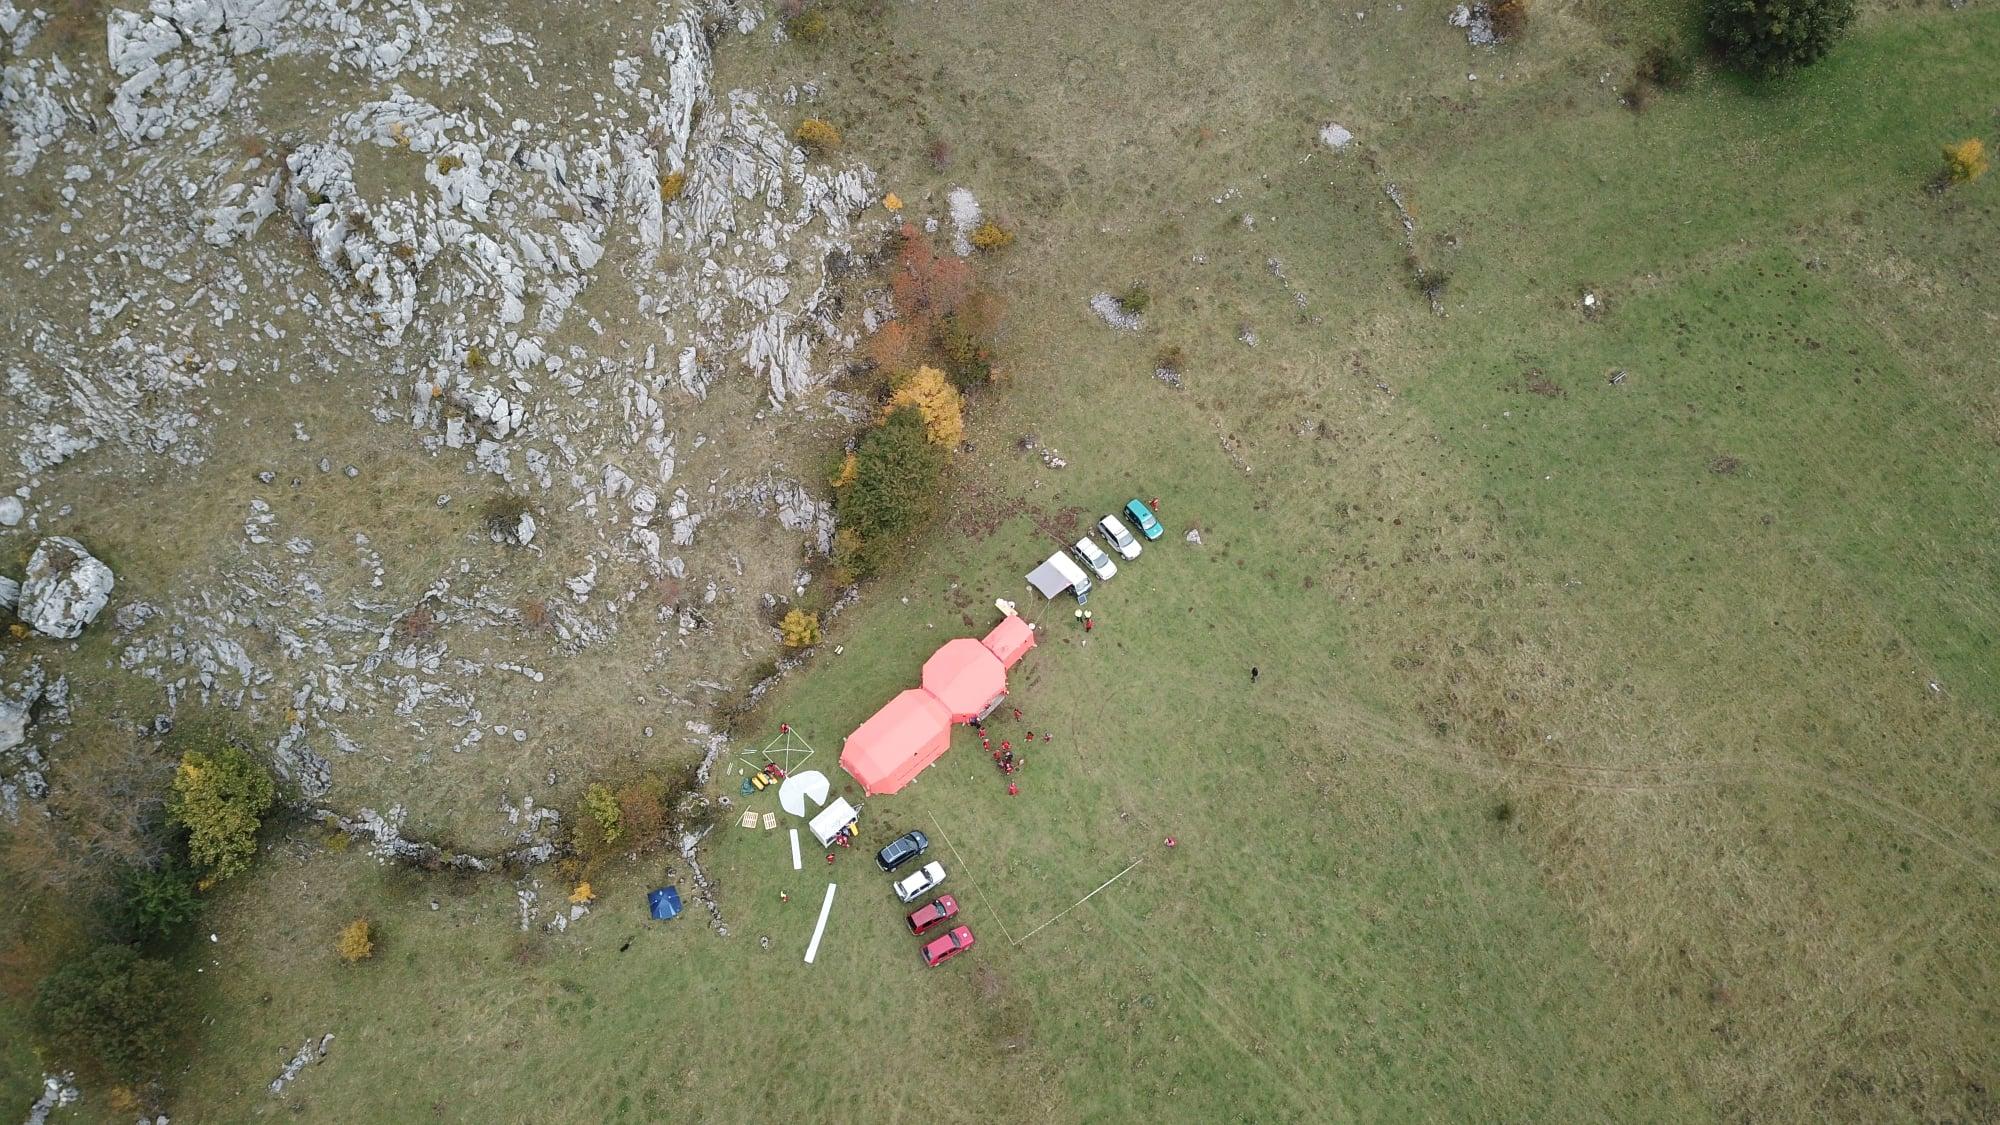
(936, 402)
(896, 477)
(220, 795)
(800, 629)
(817, 136)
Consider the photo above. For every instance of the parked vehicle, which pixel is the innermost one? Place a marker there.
(1094, 557)
(1120, 539)
(902, 850)
(923, 879)
(942, 909)
(1143, 516)
(947, 947)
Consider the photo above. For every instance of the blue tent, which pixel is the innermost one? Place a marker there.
(666, 903)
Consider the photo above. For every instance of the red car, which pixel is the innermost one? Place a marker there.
(950, 945)
(924, 917)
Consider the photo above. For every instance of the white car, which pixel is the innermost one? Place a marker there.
(919, 882)
(1094, 557)
(1120, 539)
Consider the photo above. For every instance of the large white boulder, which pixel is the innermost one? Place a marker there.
(65, 588)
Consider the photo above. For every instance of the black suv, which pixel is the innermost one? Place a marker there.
(902, 850)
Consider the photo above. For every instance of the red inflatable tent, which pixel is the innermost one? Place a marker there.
(910, 732)
(962, 681)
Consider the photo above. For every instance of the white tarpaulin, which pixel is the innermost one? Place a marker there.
(830, 820)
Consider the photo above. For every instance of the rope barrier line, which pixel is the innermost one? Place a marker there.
(1079, 902)
(976, 888)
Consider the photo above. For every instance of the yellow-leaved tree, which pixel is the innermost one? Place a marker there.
(356, 941)
(800, 629)
(936, 401)
(1965, 161)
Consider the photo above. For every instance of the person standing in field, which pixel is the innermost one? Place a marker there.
(1253, 673)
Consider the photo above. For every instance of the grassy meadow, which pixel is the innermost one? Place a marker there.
(1623, 742)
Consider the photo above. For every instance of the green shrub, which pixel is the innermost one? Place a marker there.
(897, 471)
(220, 795)
(154, 903)
(806, 26)
(113, 1010)
(600, 804)
(1770, 37)
(1135, 300)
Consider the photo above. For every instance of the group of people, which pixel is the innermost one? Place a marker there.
(1003, 757)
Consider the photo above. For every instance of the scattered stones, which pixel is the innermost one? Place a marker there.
(58, 1090)
(1478, 24)
(1106, 306)
(965, 215)
(310, 1052)
(64, 589)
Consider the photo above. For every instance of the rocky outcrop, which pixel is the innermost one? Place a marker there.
(65, 588)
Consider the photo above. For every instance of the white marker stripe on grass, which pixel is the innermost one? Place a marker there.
(825, 909)
(796, 865)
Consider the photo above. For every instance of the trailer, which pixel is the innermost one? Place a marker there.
(828, 822)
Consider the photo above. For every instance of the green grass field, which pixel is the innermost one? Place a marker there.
(1622, 750)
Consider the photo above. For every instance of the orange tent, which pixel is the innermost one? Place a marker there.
(966, 677)
(1010, 640)
(910, 732)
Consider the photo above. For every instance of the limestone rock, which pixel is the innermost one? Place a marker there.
(13, 724)
(65, 588)
(10, 511)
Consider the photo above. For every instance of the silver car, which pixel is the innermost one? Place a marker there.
(1094, 557)
(1120, 539)
(920, 881)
